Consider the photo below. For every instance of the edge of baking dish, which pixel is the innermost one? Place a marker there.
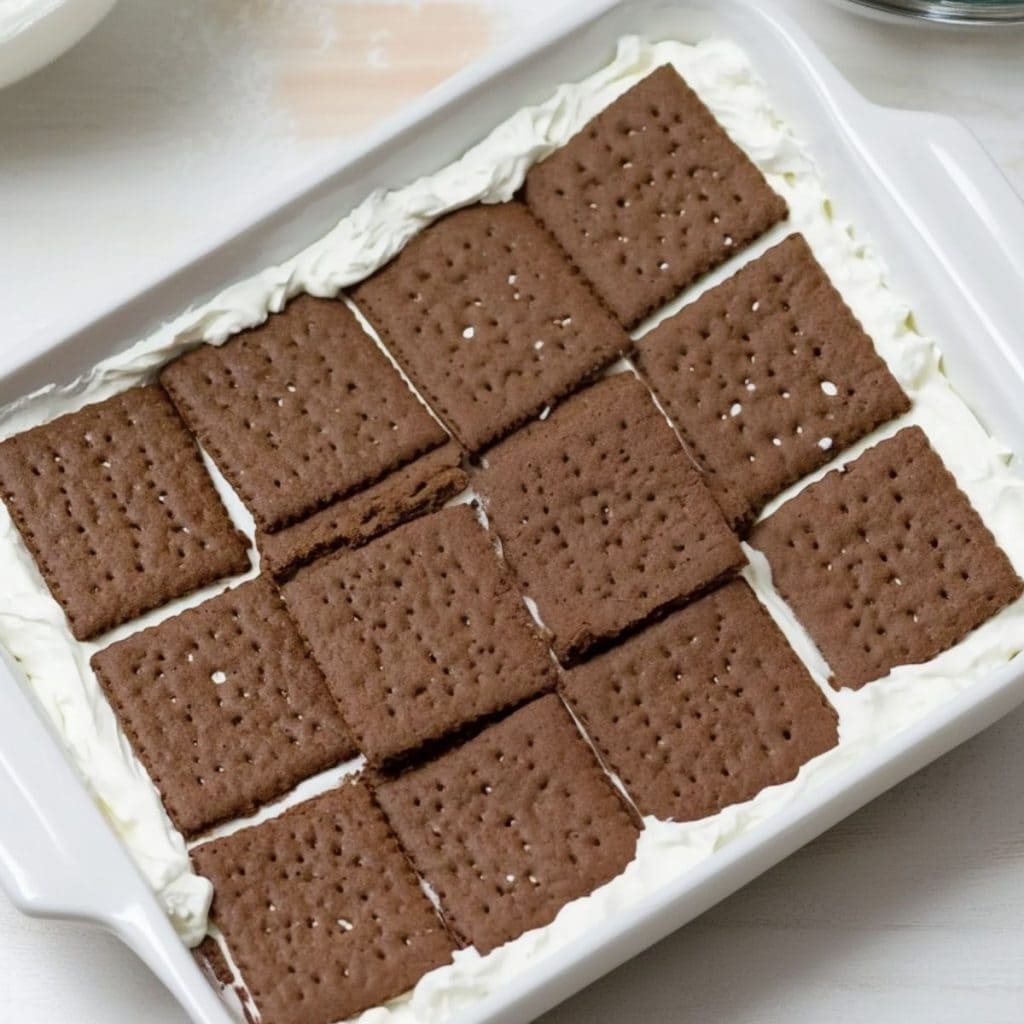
(921, 187)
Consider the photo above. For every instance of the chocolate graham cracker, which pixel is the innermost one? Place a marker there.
(118, 510)
(423, 485)
(885, 562)
(224, 706)
(651, 194)
(301, 410)
(703, 709)
(321, 911)
(211, 959)
(512, 825)
(419, 633)
(603, 517)
(767, 377)
(490, 320)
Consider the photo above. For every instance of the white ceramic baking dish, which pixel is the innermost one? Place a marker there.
(952, 232)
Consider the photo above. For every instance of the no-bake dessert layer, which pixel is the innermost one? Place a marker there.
(526, 675)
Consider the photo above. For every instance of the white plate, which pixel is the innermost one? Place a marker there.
(952, 231)
(35, 32)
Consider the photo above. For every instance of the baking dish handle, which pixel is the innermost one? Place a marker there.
(59, 857)
(971, 221)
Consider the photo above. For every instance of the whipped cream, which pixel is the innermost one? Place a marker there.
(33, 626)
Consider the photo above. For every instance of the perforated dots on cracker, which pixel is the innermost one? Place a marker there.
(118, 510)
(420, 633)
(602, 515)
(885, 562)
(421, 486)
(651, 194)
(224, 706)
(321, 911)
(301, 410)
(704, 709)
(767, 377)
(512, 825)
(490, 320)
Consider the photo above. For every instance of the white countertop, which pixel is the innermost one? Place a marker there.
(909, 911)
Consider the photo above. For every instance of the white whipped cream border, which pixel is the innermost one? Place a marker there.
(33, 627)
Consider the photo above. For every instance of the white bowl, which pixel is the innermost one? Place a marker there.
(35, 32)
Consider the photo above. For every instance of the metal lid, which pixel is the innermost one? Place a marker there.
(964, 12)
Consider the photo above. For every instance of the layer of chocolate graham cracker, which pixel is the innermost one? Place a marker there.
(301, 410)
(212, 961)
(885, 562)
(321, 911)
(512, 825)
(420, 486)
(603, 516)
(651, 194)
(490, 320)
(703, 709)
(224, 706)
(420, 633)
(118, 510)
(767, 377)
